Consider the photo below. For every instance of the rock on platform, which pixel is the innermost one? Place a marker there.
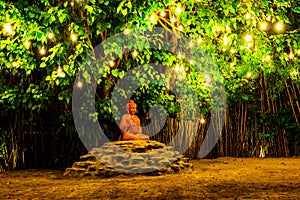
(129, 157)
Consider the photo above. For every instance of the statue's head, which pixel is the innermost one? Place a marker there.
(131, 107)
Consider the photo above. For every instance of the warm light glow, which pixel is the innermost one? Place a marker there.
(263, 26)
(269, 18)
(249, 74)
(177, 68)
(73, 37)
(126, 31)
(15, 64)
(152, 18)
(192, 62)
(268, 57)
(232, 51)
(248, 45)
(42, 51)
(218, 29)
(8, 28)
(227, 28)
(202, 120)
(79, 84)
(291, 55)
(50, 35)
(27, 44)
(111, 63)
(173, 19)
(225, 40)
(135, 53)
(180, 28)
(178, 10)
(163, 14)
(248, 38)
(279, 26)
(232, 64)
(247, 15)
(60, 72)
(200, 40)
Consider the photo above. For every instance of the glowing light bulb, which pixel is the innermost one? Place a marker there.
(249, 74)
(135, 53)
(126, 31)
(248, 38)
(200, 40)
(60, 72)
(79, 84)
(111, 63)
(152, 18)
(173, 19)
(269, 18)
(263, 26)
(279, 26)
(227, 28)
(178, 10)
(268, 57)
(232, 64)
(8, 28)
(15, 64)
(73, 37)
(218, 29)
(163, 14)
(177, 68)
(50, 35)
(192, 62)
(225, 40)
(232, 51)
(247, 15)
(42, 51)
(27, 44)
(202, 120)
(291, 55)
(180, 28)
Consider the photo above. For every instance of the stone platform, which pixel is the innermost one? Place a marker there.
(129, 158)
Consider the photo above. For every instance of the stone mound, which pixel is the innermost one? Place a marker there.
(129, 157)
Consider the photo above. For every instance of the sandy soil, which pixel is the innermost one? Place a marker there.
(222, 178)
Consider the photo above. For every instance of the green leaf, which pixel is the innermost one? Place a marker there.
(43, 65)
(124, 11)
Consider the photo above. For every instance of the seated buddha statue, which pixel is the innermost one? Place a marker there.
(130, 124)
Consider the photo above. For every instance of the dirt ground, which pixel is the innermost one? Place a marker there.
(222, 178)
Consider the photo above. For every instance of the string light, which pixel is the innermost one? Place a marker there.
(232, 51)
(50, 35)
(173, 19)
(42, 51)
(8, 28)
(249, 74)
(263, 26)
(268, 57)
(202, 120)
(225, 40)
(73, 37)
(269, 18)
(227, 28)
(14, 64)
(27, 44)
(247, 15)
(111, 63)
(126, 31)
(178, 10)
(248, 38)
(135, 53)
(291, 55)
(177, 67)
(163, 14)
(180, 28)
(79, 84)
(279, 26)
(200, 39)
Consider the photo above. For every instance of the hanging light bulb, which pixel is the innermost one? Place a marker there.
(225, 40)
(173, 19)
(279, 27)
(291, 55)
(268, 57)
(178, 10)
(163, 14)
(79, 84)
(248, 38)
(42, 51)
(14, 64)
(202, 120)
(27, 44)
(73, 37)
(232, 51)
(177, 68)
(180, 28)
(111, 63)
(247, 15)
(249, 74)
(50, 35)
(8, 28)
(135, 53)
(200, 39)
(263, 26)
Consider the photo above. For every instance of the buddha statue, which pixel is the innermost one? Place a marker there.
(130, 124)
